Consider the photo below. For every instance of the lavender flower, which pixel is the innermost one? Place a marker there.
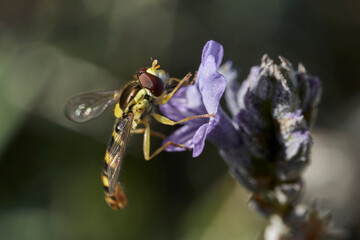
(266, 142)
(201, 98)
(274, 108)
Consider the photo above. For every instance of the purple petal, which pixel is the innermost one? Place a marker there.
(215, 49)
(201, 98)
(184, 136)
(211, 85)
(186, 102)
(199, 139)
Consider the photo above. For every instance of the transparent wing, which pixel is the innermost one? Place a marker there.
(116, 148)
(87, 106)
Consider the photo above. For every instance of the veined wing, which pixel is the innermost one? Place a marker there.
(115, 151)
(90, 105)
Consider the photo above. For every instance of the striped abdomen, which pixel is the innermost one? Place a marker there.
(114, 157)
(118, 199)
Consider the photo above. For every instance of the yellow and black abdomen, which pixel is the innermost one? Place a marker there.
(118, 199)
(115, 152)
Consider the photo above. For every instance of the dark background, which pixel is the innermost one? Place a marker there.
(51, 50)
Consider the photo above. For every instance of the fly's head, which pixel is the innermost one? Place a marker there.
(153, 78)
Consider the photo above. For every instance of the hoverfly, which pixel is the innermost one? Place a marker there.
(134, 104)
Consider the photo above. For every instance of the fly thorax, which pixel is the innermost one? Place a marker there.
(128, 94)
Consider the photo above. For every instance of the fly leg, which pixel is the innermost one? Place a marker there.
(167, 97)
(152, 133)
(193, 80)
(166, 121)
(146, 143)
(188, 80)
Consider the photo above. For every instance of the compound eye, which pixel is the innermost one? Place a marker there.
(141, 71)
(152, 82)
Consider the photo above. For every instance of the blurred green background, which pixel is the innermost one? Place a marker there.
(51, 50)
